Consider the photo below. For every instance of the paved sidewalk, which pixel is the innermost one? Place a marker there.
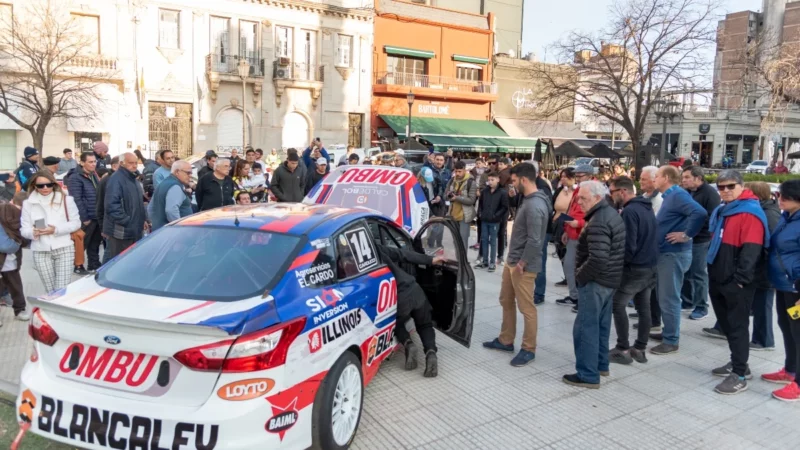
(480, 402)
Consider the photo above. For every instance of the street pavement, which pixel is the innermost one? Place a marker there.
(480, 402)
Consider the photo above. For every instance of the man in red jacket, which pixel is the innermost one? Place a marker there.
(572, 230)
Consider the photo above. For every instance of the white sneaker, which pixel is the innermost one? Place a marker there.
(23, 317)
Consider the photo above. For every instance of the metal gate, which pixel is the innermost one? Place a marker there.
(171, 127)
(355, 129)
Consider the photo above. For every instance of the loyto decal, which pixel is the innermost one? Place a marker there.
(246, 389)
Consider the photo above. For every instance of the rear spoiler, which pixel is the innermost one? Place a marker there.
(126, 321)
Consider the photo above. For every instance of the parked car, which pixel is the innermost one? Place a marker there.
(757, 166)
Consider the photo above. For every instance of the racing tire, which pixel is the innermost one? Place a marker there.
(342, 389)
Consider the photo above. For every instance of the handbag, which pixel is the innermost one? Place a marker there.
(75, 235)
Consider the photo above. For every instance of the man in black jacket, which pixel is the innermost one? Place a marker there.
(412, 303)
(215, 189)
(598, 272)
(82, 184)
(211, 159)
(639, 270)
(124, 207)
(316, 174)
(28, 167)
(493, 208)
(288, 181)
(694, 294)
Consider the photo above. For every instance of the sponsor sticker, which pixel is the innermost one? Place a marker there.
(133, 371)
(328, 297)
(387, 300)
(319, 274)
(380, 344)
(375, 176)
(333, 330)
(246, 389)
(362, 247)
(321, 243)
(283, 419)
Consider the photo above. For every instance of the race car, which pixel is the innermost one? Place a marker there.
(243, 327)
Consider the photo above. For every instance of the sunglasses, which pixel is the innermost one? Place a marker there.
(45, 186)
(726, 187)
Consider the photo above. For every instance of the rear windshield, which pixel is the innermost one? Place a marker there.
(759, 163)
(379, 197)
(205, 263)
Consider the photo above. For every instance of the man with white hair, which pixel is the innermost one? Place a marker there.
(647, 183)
(170, 202)
(598, 273)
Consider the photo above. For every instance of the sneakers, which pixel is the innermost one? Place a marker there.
(779, 377)
(685, 307)
(23, 317)
(567, 301)
(431, 364)
(664, 349)
(760, 348)
(523, 358)
(789, 393)
(562, 283)
(79, 270)
(727, 369)
(475, 246)
(698, 314)
(538, 301)
(713, 332)
(500, 261)
(638, 356)
(574, 380)
(411, 355)
(731, 385)
(481, 265)
(496, 345)
(620, 356)
(492, 267)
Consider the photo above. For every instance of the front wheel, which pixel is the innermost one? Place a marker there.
(338, 404)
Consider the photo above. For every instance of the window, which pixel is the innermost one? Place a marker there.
(406, 65)
(356, 254)
(344, 51)
(469, 73)
(219, 32)
(204, 263)
(283, 40)
(169, 28)
(89, 26)
(248, 40)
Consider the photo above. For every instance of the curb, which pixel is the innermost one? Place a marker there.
(9, 388)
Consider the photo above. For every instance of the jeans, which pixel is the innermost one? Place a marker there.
(732, 308)
(541, 277)
(489, 242)
(569, 267)
(695, 283)
(637, 284)
(790, 330)
(591, 331)
(463, 230)
(671, 268)
(763, 302)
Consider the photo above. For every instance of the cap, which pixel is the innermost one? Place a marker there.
(584, 168)
(51, 160)
(322, 161)
(400, 152)
(211, 154)
(30, 151)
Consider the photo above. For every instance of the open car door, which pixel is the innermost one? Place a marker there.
(450, 288)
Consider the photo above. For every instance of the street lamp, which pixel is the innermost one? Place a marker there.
(665, 110)
(244, 71)
(410, 98)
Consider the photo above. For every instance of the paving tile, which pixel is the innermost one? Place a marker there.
(635, 434)
(761, 430)
(372, 436)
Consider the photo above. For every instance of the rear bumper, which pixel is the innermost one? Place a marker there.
(94, 420)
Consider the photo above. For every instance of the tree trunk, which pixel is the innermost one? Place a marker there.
(38, 136)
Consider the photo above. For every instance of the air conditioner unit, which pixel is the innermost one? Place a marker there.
(284, 61)
(282, 73)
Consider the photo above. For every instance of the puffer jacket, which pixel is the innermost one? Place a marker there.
(784, 253)
(83, 188)
(467, 196)
(124, 207)
(773, 213)
(601, 247)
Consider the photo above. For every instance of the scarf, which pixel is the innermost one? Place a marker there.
(717, 222)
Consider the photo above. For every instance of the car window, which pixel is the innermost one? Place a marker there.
(355, 252)
(208, 263)
(392, 237)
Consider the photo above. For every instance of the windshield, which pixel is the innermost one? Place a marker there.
(379, 197)
(581, 161)
(205, 263)
(759, 163)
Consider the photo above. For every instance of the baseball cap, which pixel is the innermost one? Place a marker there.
(400, 152)
(322, 161)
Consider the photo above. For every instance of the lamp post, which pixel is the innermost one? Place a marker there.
(667, 111)
(244, 71)
(410, 98)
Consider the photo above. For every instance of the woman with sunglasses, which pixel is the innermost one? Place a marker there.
(49, 216)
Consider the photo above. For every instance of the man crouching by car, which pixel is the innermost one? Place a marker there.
(413, 303)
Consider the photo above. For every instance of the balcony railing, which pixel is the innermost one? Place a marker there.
(91, 61)
(298, 71)
(229, 64)
(435, 82)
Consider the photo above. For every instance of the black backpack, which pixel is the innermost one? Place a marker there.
(147, 179)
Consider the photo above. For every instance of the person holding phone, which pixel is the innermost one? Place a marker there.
(49, 217)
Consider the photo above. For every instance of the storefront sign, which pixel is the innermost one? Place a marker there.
(434, 109)
(705, 128)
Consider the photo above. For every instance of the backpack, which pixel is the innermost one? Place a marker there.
(147, 179)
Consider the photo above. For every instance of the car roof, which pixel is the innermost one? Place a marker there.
(291, 218)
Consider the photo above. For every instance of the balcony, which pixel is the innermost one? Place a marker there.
(286, 74)
(434, 86)
(91, 62)
(221, 67)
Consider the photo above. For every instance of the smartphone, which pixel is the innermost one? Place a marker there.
(794, 312)
(39, 224)
(4, 177)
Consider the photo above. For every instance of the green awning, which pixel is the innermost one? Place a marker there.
(392, 50)
(460, 143)
(446, 127)
(513, 145)
(471, 59)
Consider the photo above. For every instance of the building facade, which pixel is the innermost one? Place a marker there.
(177, 65)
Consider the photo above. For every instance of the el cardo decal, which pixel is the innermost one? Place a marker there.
(362, 248)
(333, 330)
(319, 274)
(246, 389)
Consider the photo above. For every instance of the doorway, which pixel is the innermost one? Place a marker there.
(706, 152)
(171, 127)
(355, 127)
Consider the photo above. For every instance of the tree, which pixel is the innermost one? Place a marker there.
(49, 69)
(649, 46)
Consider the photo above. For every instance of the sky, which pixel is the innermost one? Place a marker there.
(547, 21)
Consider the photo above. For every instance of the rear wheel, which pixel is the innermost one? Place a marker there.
(338, 405)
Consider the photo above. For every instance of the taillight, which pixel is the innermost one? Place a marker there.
(40, 330)
(252, 352)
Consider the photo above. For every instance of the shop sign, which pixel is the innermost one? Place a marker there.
(705, 128)
(434, 109)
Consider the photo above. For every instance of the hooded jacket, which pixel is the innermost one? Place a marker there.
(25, 173)
(641, 229)
(784, 253)
(601, 248)
(312, 179)
(288, 186)
(83, 188)
(528, 232)
(493, 205)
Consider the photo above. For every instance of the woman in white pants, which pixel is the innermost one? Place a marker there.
(49, 216)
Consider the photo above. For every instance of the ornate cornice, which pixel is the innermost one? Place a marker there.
(364, 14)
